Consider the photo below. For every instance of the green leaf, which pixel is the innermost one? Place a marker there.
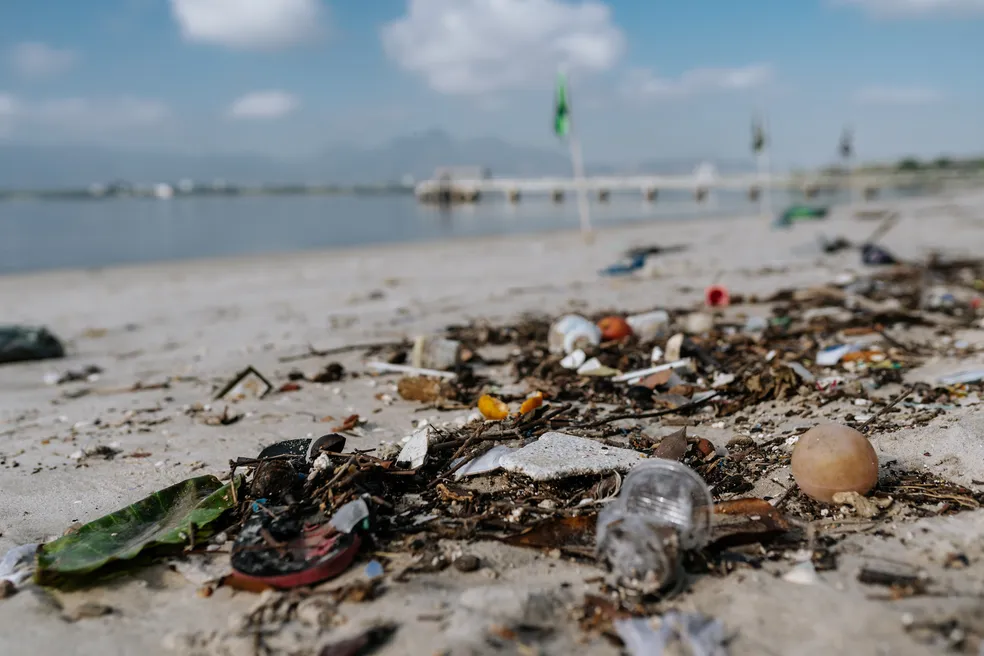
(163, 519)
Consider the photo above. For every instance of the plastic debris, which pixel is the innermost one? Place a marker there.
(573, 332)
(532, 402)
(832, 355)
(875, 255)
(663, 509)
(574, 360)
(414, 452)
(435, 353)
(492, 408)
(374, 569)
(716, 296)
(17, 565)
(594, 367)
(387, 368)
(635, 376)
(27, 343)
(683, 634)
(488, 462)
(349, 516)
(962, 377)
(649, 326)
(614, 328)
(803, 573)
(801, 371)
(556, 455)
(248, 383)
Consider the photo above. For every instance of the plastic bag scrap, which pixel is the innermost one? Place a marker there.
(689, 634)
(17, 565)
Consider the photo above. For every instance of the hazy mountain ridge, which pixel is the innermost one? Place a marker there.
(34, 166)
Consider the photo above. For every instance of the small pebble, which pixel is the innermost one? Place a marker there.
(467, 563)
(7, 589)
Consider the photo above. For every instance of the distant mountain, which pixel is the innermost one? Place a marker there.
(33, 167)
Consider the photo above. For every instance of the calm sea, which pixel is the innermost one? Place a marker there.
(37, 235)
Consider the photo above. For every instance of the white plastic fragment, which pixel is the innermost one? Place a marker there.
(387, 368)
(489, 461)
(414, 452)
(556, 455)
(574, 360)
(594, 367)
(18, 565)
(696, 634)
(803, 573)
(350, 515)
(572, 332)
(673, 347)
(962, 377)
(650, 325)
(831, 355)
(801, 371)
(639, 374)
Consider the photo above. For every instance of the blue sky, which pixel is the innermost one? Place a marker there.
(650, 78)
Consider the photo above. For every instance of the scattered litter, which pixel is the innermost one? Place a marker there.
(831, 458)
(387, 368)
(688, 634)
(571, 333)
(866, 507)
(663, 509)
(649, 326)
(614, 328)
(248, 383)
(414, 452)
(489, 461)
(374, 569)
(27, 343)
(803, 573)
(634, 376)
(435, 353)
(594, 367)
(17, 565)
(574, 360)
(556, 455)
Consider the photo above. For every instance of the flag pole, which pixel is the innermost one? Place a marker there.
(577, 164)
(760, 146)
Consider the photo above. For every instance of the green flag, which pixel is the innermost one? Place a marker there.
(562, 109)
(758, 137)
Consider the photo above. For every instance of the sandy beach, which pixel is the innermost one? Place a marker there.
(195, 324)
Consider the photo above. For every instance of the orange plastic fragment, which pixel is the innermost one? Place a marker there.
(532, 403)
(492, 408)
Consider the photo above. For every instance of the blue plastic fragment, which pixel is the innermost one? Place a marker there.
(374, 569)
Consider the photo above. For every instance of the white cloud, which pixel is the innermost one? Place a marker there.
(898, 96)
(35, 59)
(644, 84)
(475, 47)
(249, 24)
(917, 8)
(263, 105)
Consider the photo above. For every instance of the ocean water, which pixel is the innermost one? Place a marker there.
(48, 234)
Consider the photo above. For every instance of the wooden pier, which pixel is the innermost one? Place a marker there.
(447, 190)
